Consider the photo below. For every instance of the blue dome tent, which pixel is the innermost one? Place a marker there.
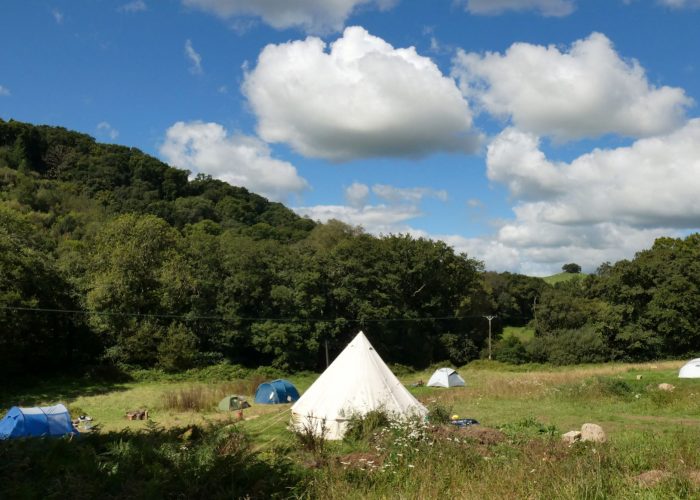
(276, 392)
(35, 422)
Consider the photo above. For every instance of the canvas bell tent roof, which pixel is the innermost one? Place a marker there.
(35, 422)
(691, 369)
(276, 392)
(445, 377)
(355, 383)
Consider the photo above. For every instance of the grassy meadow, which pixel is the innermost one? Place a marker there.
(516, 452)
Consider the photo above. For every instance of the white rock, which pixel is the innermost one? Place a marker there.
(666, 387)
(593, 432)
(571, 437)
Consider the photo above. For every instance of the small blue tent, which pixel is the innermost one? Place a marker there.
(276, 392)
(34, 422)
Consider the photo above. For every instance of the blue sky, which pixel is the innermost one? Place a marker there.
(527, 133)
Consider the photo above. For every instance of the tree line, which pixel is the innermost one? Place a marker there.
(110, 257)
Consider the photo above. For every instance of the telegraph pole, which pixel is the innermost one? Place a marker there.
(490, 317)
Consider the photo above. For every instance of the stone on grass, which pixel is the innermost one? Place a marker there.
(571, 437)
(593, 433)
(666, 387)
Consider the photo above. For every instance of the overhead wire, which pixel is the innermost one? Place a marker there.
(186, 317)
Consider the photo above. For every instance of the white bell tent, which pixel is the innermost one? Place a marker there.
(691, 369)
(445, 377)
(355, 383)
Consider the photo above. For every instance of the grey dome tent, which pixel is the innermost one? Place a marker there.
(36, 422)
(445, 377)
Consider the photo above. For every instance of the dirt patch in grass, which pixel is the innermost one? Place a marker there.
(483, 435)
(651, 478)
(694, 478)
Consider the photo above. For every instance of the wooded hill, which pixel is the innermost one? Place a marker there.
(108, 256)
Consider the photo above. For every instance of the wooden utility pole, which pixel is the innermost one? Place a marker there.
(490, 317)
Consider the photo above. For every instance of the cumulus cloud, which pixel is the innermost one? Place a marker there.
(376, 219)
(397, 207)
(362, 98)
(239, 160)
(652, 183)
(4, 91)
(314, 16)
(135, 6)
(602, 206)
(106, 130)
(544, 7)
(586, 91)
(356, 194)
(194, 58)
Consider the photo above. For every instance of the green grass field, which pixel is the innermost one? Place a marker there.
(524, 333)
(524, 408)
(561, 277)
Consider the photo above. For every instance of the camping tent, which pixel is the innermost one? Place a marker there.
(445, 377)
(691, 369)
(276, 392)
(355, 383)
(233, 402)
(46, 421)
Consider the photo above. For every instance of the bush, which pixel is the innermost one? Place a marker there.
(584, 345)
(362, 427)
(439, 414)
(510, 350)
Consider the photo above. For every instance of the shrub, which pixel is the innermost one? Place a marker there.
(362, 427)
(439, 414)
(312, 437)
(510, 350)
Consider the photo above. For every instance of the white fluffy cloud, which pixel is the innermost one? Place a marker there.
(362, 98)
(398, 206)
(356, 194)
(237, 159)
(314, 16)
(652, 183)
(545, 7)
(586, 91)
(603, 206)
(193, 57)
(375, 219)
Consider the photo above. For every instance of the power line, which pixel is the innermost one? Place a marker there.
(229, 318)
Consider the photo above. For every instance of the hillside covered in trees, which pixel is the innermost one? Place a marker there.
(110, 257)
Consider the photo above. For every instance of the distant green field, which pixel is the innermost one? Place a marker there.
(561, 277)
(524, 333)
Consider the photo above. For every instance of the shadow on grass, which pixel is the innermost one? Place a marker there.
(52, 389)
(194, 462)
